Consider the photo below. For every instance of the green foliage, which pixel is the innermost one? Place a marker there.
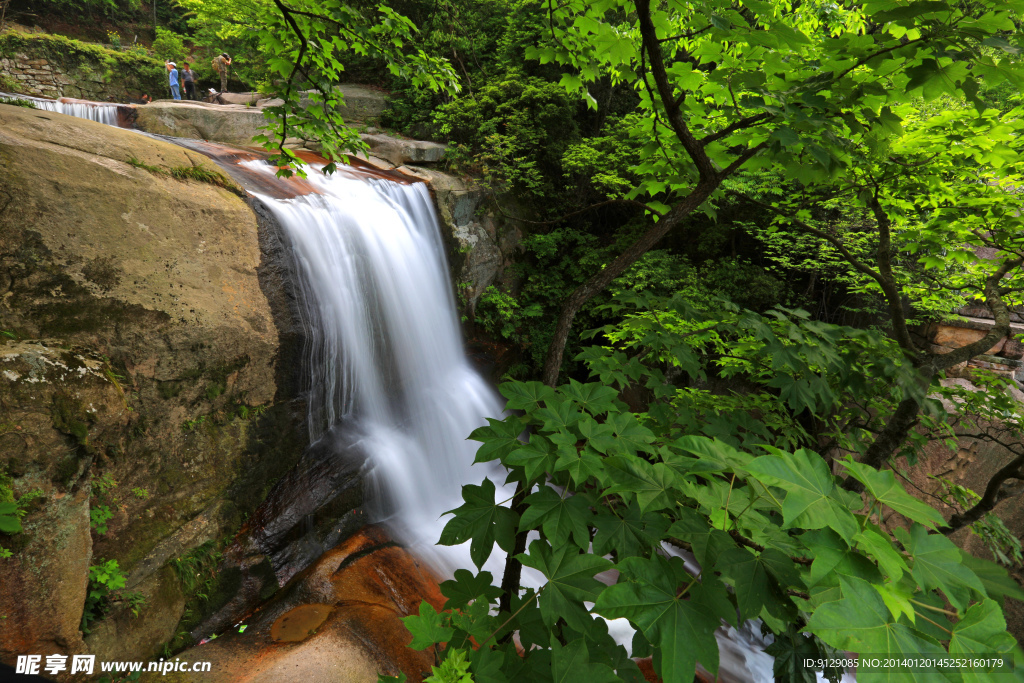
(16, 102)
(314, 38)
(99, 515)
(454, 669)
(199, 174)
(777, 535)
(140, 493)
(105, 578)
(13, 508)
(102, 485)
(513, 131)
(169, 46)
(197, 569)
(10, 522)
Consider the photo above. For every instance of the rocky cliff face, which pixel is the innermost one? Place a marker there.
(146, 378)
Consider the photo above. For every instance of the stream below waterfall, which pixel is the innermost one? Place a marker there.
(384, 358)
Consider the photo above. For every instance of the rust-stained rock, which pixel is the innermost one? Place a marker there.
(338, 621)
(300, 623)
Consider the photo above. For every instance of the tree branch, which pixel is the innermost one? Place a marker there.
(693, 148)
(994, 493)
(746, 122)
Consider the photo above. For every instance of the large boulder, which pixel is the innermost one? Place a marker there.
(142, 374)
(362, 104)
(339, 620)
(401, 151)
(234, 124)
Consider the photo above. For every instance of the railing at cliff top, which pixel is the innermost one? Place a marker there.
(112, 114)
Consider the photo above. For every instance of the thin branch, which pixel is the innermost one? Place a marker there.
(687, 35)
(746, 122)
(994, 493)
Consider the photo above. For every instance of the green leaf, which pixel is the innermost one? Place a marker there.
(706, 542)
(881, 548)
(558, 516)
(571, 664)
(883, 486)
(536, 458)
(749, 579)
(526, 395)
(558, 416)
(982, 631)
(580, 464)
(630, 532)
(653, 485)
(713, 451)
(993, 577)
(860, 622)
(808, 484)
(499, 438)
(571, 580)
(466, 587)
(598, 436)
(428, 628)
(631, 436)
(938, 564)
(650, 599)
(594, 397)
(790, 650)
(10, 523)
(482, 520)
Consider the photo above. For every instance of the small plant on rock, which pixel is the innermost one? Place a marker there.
(104, 578)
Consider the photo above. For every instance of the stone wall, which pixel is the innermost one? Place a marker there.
(55, 66)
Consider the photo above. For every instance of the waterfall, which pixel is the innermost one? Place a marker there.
(385, 360)
(100, 112)
(384, 351)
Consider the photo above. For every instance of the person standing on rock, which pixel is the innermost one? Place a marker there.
(188, 79)
(220, 64)
(172, 69)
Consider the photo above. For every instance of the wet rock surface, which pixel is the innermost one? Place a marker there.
(339, 620)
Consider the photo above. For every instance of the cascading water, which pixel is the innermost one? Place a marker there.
(82, 109)
(385, 352)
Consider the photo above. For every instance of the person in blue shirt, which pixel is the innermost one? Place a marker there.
(172, 68)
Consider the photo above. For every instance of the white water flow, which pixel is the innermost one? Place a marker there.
(385, 351)
(94, 111)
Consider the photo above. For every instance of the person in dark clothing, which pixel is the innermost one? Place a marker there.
(221, 63)
(188, 79)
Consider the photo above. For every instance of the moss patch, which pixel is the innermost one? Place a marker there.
(69, 417)
(121, 74)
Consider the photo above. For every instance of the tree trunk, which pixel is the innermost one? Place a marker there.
(597, 283)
